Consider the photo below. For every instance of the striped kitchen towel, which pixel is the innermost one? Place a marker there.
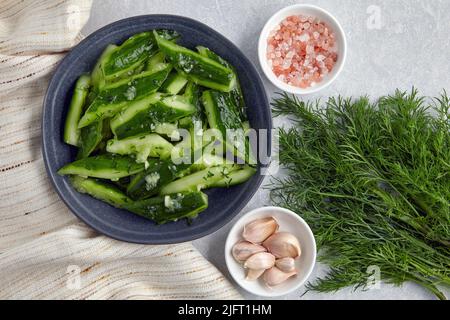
(45, 253)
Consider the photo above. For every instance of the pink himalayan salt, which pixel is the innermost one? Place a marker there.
(301, 50)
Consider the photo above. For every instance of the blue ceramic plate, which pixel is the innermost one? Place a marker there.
(224, 203)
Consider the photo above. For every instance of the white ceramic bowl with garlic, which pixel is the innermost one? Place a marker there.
(270, 251)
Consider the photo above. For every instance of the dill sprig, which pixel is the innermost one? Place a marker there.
(373, 181)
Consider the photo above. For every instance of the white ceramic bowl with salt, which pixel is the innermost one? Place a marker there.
(288, 222)
(306, 10)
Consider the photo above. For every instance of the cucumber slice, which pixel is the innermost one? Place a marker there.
(90, 138)
(172, 207)
(207, 161)
(221, 111)
(145, 116)
(93, 138)
(71, 131)
(141, 146)
(160, 209)
(199, 180)
(192, 144)
(105, 166)
(236, 177)
(167, 129)
(185, 122)
(101, 191)
(206, 52)
(134, 108)
(122, 183)
(201, 70)
(98, 78)
(193, 94)
(168, 34)
(223, 115)
(195, 123)
(246, 126)
(120, 94)
(174, 83)
(129, 55)
(236, 92)
(158, 173)
(156, 61)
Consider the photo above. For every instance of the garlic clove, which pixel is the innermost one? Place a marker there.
(259, 230)
(282, 245)
(253, 274)
(285, 264)
(275, 276)
(261, 260)
(243, 250)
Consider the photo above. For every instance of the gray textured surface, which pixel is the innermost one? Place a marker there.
(410, 47)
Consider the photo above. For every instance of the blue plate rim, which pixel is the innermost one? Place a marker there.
(44, 143)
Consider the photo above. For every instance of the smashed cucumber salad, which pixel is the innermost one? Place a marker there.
(125, 118)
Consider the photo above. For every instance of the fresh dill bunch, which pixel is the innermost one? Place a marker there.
(373, 182)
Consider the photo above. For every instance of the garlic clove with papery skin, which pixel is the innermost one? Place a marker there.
(259, 230)
(243, 250)
(282, 245)
(274, 276)
(253, 274)
(261, 260)
(285, 264)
